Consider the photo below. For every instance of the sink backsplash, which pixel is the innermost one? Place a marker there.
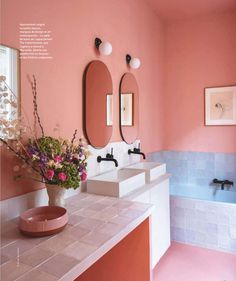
(120, 152)
(13, 207)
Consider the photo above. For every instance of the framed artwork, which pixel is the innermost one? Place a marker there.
(220, 105)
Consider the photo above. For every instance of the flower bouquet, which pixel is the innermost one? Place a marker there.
(57, 162)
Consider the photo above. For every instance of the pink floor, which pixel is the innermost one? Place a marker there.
(189, 263)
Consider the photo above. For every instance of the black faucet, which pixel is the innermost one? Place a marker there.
(223, 183)
(109, 157)
(137, 151)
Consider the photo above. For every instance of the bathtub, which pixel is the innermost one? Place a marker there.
(210, 193)
(203, 216)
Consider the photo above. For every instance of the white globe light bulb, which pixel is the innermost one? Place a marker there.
(135, 63)
(105, 48)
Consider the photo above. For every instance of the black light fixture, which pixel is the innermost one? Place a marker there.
(128, 58)
(105, 48)
(133, 62)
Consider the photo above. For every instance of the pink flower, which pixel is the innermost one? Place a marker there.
(62, 176)
(58, 158)
(83, 176)
(49, 174)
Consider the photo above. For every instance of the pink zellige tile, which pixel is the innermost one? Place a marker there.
(36, 256)
(87, 213)
(76, 198)
(37, 275)
(58, 242)
(7, 226)
(79, 250)
(92, 198)
(109, 201)
(12, 270)
(75, 219)
(77, 232)
(9, 237)
(110, 228)
(16, 248)
(90, 223)
(95, 238)
(139, 207)
(58, 265)
(107, 214)
(130, 213)
(121, 220)
(15, 235)
(97, 207)
(122, 204)
(71, 209)
(3, 259)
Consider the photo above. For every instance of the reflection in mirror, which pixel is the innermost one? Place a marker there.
(126, 109)
(129, 108)
(98, 109)
(9, 91)
(109, 110)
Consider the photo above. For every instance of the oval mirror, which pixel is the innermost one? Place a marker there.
(98, 104)
(129, 108)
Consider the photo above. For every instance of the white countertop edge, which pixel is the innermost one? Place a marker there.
(82, 266)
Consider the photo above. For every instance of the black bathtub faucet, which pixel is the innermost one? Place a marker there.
(223, 183)
(109, 157)
(137, 151)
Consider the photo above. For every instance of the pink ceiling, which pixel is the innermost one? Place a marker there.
(171, 10)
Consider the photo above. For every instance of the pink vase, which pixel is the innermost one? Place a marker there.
(55, 195)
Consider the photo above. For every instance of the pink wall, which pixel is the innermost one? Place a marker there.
(199, 53)
(130, 26)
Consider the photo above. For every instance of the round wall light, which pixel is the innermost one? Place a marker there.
(133, 62)
(105, 48)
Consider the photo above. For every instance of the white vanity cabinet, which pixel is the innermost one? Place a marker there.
(158, 195)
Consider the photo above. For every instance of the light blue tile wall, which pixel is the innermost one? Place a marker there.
(197, 168)
(203, 223)
(199, 222)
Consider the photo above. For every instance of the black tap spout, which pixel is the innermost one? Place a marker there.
(100, 159)
(223, 183)
(136, 151)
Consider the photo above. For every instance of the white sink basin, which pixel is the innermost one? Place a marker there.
(116, 183)
(152, 170)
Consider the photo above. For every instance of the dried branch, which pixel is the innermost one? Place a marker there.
(74, 136)
(20, 156)
(22, 108)
(36, 114)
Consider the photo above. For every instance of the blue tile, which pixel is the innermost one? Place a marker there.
(197, 168)
(233, 245)
(190, 236)
(179, 234)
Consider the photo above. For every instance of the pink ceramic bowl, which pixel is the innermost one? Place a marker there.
(43, 221)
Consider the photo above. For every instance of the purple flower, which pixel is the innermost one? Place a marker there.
(68, 157)
(43, 159)
(81, 168)
(32, 150)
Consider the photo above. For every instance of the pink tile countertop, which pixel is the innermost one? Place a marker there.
(96, 224)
